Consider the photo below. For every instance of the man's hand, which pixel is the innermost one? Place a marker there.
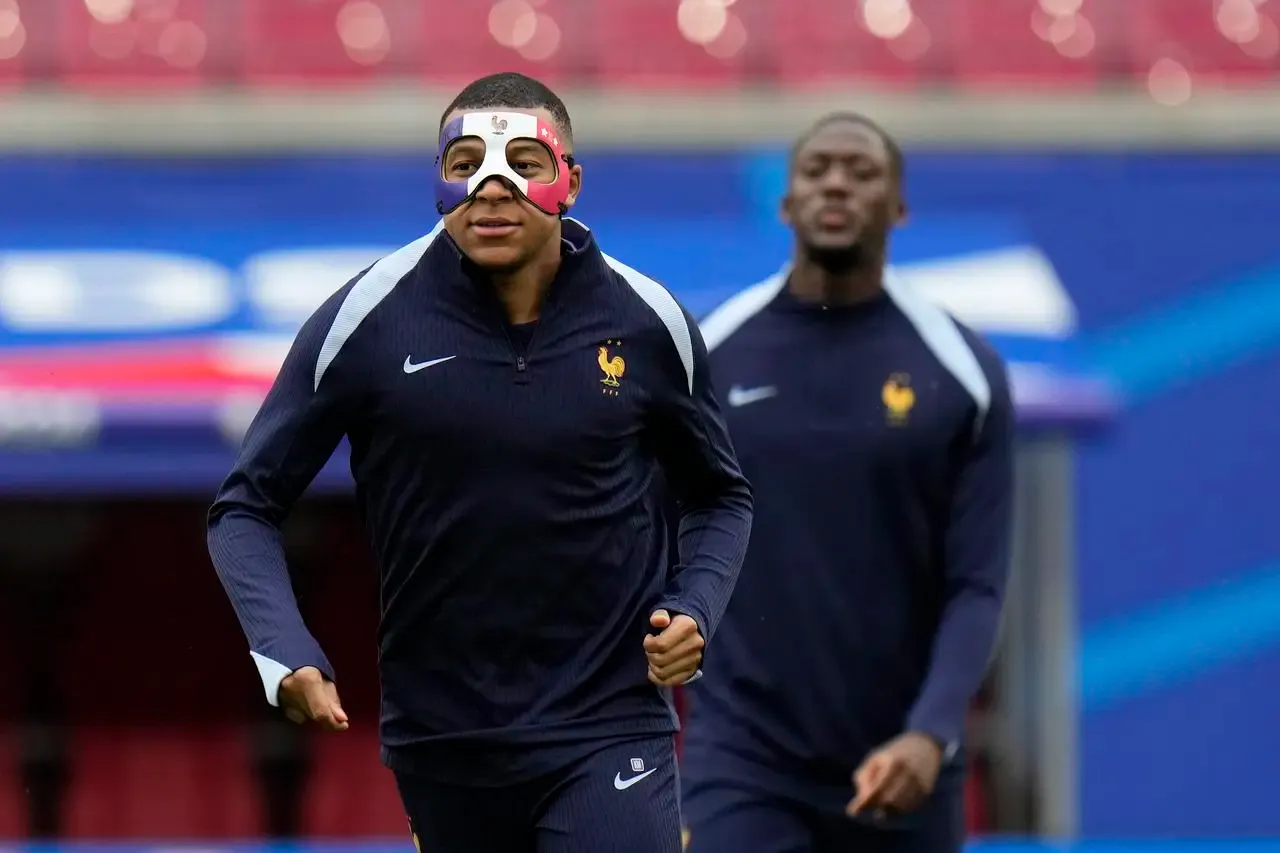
(675, 653)
(308, 695)
(897, 777)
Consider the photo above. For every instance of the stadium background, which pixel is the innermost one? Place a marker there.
(182, 178)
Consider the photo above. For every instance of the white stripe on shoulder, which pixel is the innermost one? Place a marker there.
(941, 335)
(666, 307)
(731, 314)
(370, 290)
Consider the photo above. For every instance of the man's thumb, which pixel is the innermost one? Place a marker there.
(660, 619)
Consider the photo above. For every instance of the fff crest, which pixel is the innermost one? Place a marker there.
(898, 398)
(612, 366)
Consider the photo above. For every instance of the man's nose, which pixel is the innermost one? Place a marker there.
(837, 181)
(494, 189)
(837, 184)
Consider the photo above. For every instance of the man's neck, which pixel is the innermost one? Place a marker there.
(809, 282)
(522, 291)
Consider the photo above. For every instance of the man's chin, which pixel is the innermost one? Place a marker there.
(837, 257)
(496, 259)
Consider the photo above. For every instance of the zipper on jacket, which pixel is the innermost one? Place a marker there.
(522, 364)
(500, 314)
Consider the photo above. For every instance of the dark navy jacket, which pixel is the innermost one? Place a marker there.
(509, 494)
(879, 441)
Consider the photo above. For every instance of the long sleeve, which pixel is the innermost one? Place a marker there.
(976, 561)
(713, 498)
(293, 435)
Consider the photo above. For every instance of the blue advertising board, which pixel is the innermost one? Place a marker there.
(147, 304)
(1160, 272)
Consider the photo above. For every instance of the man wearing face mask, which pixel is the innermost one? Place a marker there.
(509, 393)
(878, 434)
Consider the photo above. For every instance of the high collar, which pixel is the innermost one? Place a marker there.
(783, 299)
(786, 300)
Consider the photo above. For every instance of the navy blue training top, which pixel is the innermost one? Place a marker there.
(879, 441)
(505, 475)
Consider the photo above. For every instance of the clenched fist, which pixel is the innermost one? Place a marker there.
(308, 695)
(676, 652)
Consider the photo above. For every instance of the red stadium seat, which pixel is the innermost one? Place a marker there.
(822, 41)
(11, 76)
(465, 39)
(28, 40)
(153, 782)
(13, 808)
(349, 793)
(162, 44)
(1216, 42)
(977, 808)
(15, 41)
(1011, 43)
(661, 44)
(319, 43)
(150, 622)
(672, 43)
(12, 799)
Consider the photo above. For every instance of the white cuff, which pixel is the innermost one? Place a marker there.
(272, 673)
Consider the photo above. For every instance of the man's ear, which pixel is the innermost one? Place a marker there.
(575, 184)
(902, 214)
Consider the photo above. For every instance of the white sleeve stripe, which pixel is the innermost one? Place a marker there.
(370, 290)
(731, 314)
(666, 307)
(941, 335)
(272, 673)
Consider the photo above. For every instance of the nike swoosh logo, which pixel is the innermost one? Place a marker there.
(747, 396)
(623, 784)
(410, 367)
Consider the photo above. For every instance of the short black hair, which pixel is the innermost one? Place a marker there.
(897, 161)
(514, 90)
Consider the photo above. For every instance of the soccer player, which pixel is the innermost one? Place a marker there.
(509, 393)
(877, 433)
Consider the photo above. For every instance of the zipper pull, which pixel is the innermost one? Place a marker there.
(520, 365)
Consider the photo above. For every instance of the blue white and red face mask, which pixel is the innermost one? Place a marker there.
(497, 130)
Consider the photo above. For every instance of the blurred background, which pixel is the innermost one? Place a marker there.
(1095, 184)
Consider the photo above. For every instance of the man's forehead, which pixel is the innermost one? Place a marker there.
(845, 138)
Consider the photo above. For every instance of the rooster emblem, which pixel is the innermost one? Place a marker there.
(898, 398)
(613, 367)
